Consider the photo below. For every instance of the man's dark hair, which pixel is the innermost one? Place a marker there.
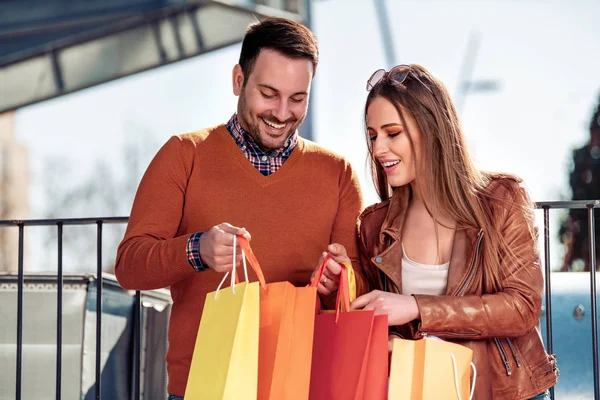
(285, 36)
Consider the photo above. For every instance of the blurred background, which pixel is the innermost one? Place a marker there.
(524, 75)
(90, 90)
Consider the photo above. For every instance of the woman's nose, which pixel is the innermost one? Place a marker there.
(379, 147)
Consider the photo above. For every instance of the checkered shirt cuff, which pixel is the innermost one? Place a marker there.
(193, 252)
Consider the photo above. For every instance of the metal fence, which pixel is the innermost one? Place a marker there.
(546, 206)
(100, 222)
(60, 223)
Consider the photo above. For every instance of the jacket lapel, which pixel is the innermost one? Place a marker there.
(389, 260)
(459, 260)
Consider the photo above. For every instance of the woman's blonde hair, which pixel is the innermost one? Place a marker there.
(450, 183)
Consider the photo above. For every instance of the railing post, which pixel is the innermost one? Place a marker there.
(548, 271)
(59, 311)
(592, 243)
(99, 312)
(137, 329)
(20, 267)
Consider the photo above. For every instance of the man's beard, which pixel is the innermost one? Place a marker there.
(252, 126)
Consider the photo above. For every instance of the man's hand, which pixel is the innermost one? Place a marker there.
(216, 247)
(330, 280)
(399, 308)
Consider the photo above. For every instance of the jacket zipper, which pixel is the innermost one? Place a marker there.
(474, 267)
(514, 352)
(504, 356)
(425, 334)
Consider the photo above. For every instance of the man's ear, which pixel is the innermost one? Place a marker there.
(237, 78)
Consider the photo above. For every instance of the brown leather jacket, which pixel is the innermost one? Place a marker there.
(501, 328)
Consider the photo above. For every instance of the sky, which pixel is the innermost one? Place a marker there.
(544, 57)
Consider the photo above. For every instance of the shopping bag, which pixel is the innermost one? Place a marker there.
(350, 353)
(287, 316)
(351, 280)
(431, 369)
(376, 379)
(225, 359)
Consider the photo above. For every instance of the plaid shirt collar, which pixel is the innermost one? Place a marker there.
(265, 162)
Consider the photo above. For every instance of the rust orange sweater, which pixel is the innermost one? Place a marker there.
(202, 179)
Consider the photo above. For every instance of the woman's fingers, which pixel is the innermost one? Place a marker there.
(362, 302)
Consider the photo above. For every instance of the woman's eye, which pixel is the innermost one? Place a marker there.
(372, 138)
(392, 135)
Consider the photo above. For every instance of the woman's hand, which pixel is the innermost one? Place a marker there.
(399, 308)
(391, 338)
(330, 280)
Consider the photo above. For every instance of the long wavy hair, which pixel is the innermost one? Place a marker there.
(448, 181)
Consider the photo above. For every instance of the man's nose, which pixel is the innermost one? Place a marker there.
(282, 112)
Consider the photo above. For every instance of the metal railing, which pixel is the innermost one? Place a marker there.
(60, 223)
(100, 222)
(546, 206)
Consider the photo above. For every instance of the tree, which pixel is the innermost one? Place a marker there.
(584, 180)
(106, 191)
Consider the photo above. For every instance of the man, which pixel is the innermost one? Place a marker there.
(253, 175)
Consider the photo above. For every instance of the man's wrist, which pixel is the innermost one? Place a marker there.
(193, 252)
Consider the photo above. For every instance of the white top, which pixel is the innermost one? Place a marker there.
(420, 278)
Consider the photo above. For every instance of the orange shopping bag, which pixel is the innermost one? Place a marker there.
(287, 316)
(350, 351)
(431, 369)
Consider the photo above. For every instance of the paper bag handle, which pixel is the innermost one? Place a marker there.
(246, 253)
(249, 254)
(314, 282)
(342, 302)
(456, 377)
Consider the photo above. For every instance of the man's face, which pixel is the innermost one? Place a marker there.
(273, 101)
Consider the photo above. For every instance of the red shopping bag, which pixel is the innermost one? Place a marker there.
(350, 350)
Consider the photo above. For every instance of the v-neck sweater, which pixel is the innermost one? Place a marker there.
(201, 179)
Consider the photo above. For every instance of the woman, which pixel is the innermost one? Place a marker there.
(450, 251)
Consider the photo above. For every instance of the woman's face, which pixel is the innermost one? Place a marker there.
(390, 142)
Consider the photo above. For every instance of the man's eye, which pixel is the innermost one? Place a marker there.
(266, 96)
(296, 100)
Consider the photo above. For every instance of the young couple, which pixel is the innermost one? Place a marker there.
(450, 251)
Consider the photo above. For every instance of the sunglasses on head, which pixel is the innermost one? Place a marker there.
(397, 75)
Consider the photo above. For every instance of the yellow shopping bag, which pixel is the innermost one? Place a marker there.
(430, 369)
(225, 361)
